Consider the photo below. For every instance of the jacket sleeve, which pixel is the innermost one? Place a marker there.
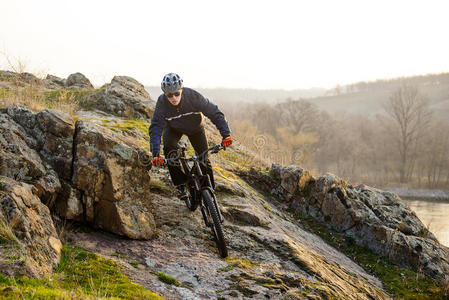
(156, 128)
(211, 111)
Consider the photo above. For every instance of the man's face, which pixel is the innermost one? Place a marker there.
(174, 97)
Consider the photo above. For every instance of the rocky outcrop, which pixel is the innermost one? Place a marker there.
(92, 174)
(18, 160)
(86, 173)
(51, 135)
(124, 97)
(54, 82)
(78, 81)
(39, 248)
(114, 184)
(19, 79)
(95, 177)
(375, 219)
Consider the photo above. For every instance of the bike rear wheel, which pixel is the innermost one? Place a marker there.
(217, 231)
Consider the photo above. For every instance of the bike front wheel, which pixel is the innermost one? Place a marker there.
(217, 231)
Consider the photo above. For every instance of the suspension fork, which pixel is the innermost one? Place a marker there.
(207, 185)
(198, 186)
(217, 209)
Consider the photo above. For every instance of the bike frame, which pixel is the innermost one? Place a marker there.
(196, 177)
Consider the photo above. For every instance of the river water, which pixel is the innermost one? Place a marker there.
(434, 214)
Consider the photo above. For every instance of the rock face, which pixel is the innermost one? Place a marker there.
(124, 96)
(18, 160)
(113, 183)
(86, 173)
(51, 134)
(96, 177)
(78, 81)
(374, 218)
(31, 223)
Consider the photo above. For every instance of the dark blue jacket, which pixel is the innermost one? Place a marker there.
(186, 117)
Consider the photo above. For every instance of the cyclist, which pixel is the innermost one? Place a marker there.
(179, 110)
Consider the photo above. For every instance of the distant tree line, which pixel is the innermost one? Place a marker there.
(405, 145)
(393, 83)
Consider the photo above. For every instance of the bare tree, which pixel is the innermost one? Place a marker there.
(301, 115)
(434, 160)
(410, 114)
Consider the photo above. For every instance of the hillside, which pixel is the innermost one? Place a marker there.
(365, 98)
(84, 214)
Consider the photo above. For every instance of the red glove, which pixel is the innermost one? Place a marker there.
(158, 161)
(227, 141)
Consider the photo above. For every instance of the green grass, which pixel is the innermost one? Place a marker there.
(80, 275)
(157, 186)
(400, 282)
(167, 279)
(6, 234)
(4, 93)
(64, 95)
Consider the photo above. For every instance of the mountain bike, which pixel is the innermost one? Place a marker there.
(201, 193)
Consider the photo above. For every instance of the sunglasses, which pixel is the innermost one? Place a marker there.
(170, 95)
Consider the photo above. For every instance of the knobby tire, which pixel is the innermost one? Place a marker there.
(216, 224)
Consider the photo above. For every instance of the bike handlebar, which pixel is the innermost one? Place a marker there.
(213, 149)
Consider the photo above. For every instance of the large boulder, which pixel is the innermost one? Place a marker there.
(39, 247)
(375, 219)
(54, 82)
(78, 81)
(114, 184)
(294, 179)
(89, 174)
(124, 97)
(18, 160)
(52, 134)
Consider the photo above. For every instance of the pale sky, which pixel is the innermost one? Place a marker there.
(256, 44)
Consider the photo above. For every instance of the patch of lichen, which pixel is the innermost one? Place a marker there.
(238, 262)
(126, 125)
(225, 173)
(275, 281)
(133, 124)
(241, 159)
